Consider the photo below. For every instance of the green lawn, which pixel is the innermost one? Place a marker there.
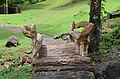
(47, 17)
(52, 19)
(13, 53)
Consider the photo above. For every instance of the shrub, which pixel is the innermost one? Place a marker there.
(15, 2)
(110, 41)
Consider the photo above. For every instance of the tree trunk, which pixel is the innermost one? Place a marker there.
(95, 17)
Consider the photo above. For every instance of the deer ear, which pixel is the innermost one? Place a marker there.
(23, 29)
(33, 28)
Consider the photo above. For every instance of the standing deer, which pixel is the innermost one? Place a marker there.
(82, 38)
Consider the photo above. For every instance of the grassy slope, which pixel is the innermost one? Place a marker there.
(112, 5)
(48, 18)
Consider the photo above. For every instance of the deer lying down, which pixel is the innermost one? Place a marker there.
(37, 38)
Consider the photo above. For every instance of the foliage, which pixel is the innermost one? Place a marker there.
(103, 10)
(16, 2)
(110, 41)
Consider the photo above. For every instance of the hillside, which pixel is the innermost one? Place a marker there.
(54, 15)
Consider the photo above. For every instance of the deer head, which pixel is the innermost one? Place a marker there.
(29, 31)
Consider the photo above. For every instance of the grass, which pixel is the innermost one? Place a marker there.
(112, 5)
(13, 54)
(14, 73)
(48, 15)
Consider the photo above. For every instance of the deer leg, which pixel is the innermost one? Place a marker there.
(82, 49)
(79, 48)
(71, 39)
(85, 49)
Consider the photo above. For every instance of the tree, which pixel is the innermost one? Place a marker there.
(95, 17)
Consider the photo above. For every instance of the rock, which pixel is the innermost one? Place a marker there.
(63, 72)
(109, 68)
(12, 41)
(112, 71)
(7, 64)
(64, 75)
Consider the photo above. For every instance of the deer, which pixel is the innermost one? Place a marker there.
(82, 38)
(37, 39)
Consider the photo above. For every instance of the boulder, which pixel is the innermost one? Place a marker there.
(12, 41)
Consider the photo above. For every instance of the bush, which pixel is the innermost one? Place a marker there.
(110, 41)
(15, 2)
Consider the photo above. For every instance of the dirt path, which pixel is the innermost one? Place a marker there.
(47, 39)
(12, 29)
